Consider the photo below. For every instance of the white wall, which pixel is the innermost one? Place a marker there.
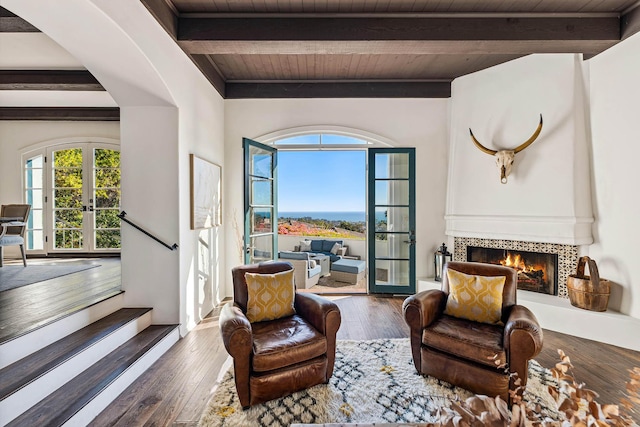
(168, 110)
(18, 136)
(420, 123)
(615, 110)
(547, 197)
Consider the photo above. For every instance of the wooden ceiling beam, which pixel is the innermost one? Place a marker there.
(630, 23)
(165, 13)
(12, 23)
(77, 80)
(211, 71)
(431, 89)
(397, 35)
(108, 114)
(436, 47)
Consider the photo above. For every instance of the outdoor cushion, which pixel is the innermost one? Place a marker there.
(315, 270)
(316, 245)
(349, 266)
(305, 245)
(293, 255)
(328, 244)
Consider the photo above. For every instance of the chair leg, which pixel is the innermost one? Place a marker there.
(24, 255)
(1, 254)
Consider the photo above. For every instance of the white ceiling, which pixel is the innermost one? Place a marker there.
(35, 51)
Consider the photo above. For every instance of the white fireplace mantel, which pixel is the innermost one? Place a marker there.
(542, 229)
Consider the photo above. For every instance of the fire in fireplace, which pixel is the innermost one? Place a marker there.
(537, 272)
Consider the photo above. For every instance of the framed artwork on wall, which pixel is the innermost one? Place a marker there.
(206, 203)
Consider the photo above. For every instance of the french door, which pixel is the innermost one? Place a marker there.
(83, 199)
(392, 224)
(260, 202)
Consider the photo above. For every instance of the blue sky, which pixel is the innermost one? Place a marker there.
(325, 181)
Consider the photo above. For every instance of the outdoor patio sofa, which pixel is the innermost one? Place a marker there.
(324, 247)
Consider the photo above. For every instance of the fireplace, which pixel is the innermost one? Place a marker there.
(567, 255)
(537, 271)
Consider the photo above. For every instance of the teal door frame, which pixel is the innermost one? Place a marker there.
(252, 253)
(389, 232)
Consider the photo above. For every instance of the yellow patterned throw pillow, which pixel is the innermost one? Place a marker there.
(477, 298)
(271, 296)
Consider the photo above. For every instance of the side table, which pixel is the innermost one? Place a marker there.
(323, 260)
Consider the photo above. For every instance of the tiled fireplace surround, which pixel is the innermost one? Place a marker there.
(567, 254)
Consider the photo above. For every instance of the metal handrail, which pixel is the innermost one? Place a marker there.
(122, 215)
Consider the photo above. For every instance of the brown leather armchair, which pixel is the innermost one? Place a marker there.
(275, 358)
(461, 351)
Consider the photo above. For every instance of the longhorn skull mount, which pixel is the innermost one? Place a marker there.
(504, 158)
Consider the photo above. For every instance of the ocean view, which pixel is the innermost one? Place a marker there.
(329, 216)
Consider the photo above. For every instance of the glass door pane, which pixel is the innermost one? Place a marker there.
(34, 195)
(260, 237)
(85, 198)
(105, 199)
(392, 220)
(68, 202)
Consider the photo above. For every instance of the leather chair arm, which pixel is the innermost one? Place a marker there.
(323, 314)
(522, 320)
(236, 331)
(522, 341)
(421, 309)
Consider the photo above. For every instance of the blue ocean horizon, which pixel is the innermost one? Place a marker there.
(329, 216)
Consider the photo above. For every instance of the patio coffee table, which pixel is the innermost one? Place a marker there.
(323, 261)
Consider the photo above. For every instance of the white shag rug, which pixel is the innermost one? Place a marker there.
(373, 382)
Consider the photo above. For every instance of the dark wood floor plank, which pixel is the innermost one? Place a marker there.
(26, 370)
(29, 307)
(59, 406)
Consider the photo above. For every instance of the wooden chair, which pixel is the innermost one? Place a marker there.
(13, 235)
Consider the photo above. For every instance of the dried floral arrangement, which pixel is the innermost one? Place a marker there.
(575, 402)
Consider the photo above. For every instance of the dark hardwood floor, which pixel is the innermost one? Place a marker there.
(174, 392)
(176, 389)
(29, 307)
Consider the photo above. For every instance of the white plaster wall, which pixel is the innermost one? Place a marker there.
(547, 197)
(19, 136)
(168, 110)
(419, 123)
(616, 148)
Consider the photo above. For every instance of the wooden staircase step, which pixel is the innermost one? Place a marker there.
(27, 370)
(68, 401)
(43, 330)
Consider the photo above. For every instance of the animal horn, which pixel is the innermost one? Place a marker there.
(529, 141)
(480, 146)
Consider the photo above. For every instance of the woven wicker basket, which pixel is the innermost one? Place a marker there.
(588, 292)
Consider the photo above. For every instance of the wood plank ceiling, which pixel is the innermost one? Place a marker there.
(352, 48)
(367, 48)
